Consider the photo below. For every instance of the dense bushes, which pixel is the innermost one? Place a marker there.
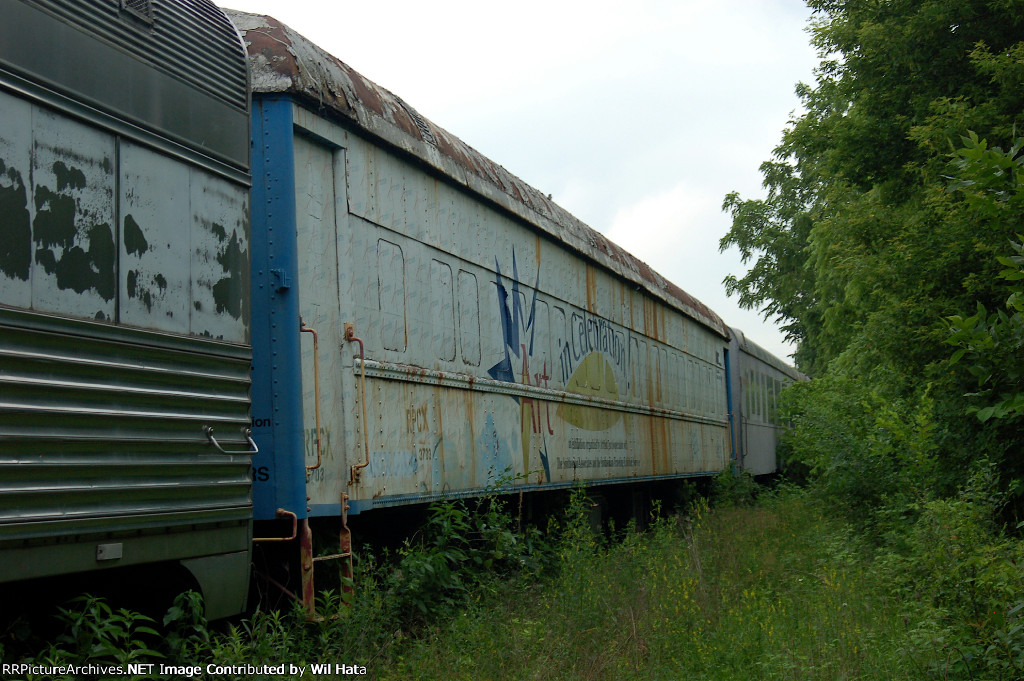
(861, 449)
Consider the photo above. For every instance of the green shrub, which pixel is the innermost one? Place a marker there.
(96, 634)
(461, 546)
(869, 454)
(734, 489)
(185, 629)
(961, 580)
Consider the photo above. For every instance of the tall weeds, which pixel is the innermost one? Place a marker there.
(779, 590)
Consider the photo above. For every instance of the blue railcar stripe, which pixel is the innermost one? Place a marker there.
(732, 419)
(279, 469)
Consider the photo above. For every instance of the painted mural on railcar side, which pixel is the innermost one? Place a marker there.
(490, 347)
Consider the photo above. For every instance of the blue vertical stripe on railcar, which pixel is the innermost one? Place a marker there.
(279, 470)
(732, 417)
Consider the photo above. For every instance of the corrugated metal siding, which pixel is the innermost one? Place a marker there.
(756, 377)
(101, 429)
(191, 41)
(178, 84)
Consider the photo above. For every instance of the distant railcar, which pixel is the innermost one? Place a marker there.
(124, 306)
(428, 325)
(756, 377)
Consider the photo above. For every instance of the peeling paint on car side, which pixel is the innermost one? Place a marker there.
(15, 225)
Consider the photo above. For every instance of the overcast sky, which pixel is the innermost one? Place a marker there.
(638, 117)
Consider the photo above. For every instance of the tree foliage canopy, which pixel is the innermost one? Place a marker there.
(888, 248)
(861, 248)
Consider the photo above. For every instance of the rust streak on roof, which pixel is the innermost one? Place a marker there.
(751, 348)
(282, 61)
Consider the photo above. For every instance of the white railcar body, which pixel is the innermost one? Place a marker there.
(504, 341)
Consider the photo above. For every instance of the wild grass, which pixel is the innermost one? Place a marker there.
(776, 590)
(773, 591)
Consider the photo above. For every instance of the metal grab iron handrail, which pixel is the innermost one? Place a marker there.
(281, 513)
(208, 430)
(316, 389)
(350, 335)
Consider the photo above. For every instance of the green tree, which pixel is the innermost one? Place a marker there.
(992, 343)
(886, 215)
(860, 249)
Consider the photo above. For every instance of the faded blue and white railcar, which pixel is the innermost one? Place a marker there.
(756, 377)
(124, 304)
(467, 329)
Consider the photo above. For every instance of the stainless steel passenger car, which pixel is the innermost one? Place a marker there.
(756, 378)
(468, 330)
(124, 279)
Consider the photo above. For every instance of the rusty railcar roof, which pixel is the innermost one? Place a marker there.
(282, 61)
(751, 348)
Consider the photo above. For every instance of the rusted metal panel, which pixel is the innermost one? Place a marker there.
(282, 61)
(561, 358)
(317, 229)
